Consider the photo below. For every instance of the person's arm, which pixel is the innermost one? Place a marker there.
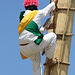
(44, 12)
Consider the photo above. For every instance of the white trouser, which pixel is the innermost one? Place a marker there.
(36, 58)
(33, 51)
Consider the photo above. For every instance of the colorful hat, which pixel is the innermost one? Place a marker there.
(30, 2)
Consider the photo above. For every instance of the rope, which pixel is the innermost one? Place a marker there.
(54, 17)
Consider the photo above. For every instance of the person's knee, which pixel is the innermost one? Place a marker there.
(53, 35)
(50, 36)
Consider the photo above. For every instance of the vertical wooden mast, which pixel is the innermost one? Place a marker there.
(64, 24)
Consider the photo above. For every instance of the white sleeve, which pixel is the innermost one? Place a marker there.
(44, 12)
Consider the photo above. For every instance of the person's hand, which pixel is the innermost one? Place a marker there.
(51, 26)
(55, 1)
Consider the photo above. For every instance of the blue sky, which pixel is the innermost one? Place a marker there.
(10, 59)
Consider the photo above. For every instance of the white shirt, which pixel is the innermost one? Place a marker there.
(26, 36)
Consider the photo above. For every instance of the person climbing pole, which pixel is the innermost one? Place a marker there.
(31, 39)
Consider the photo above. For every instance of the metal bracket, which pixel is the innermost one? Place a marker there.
(65, 63)
(60, 35)
(72, 9)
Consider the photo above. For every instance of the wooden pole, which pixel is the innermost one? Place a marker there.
(64, 20)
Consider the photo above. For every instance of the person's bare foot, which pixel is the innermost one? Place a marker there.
(51, 62)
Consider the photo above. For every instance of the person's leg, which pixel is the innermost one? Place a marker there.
(48, 41)
(36, 58)
(49, 50)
